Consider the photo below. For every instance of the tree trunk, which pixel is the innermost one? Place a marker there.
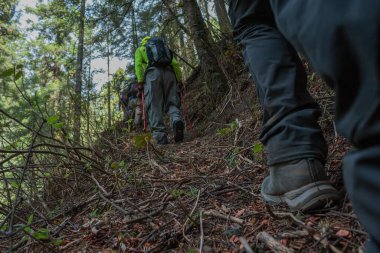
(78, 77)
(89, 86)
(215, 79)
(224, 21)
(108, 84)
(135, 43)
(207, 14)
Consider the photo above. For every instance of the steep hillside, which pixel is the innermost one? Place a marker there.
(202, 193)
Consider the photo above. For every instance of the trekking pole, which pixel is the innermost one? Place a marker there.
(188, 121)
(143, 110)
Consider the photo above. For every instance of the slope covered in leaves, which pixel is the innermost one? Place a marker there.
(202, 193)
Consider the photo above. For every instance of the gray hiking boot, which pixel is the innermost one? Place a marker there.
(301, 184)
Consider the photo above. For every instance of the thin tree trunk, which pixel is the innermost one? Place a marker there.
(215, 79)
(89, 84)
(78, 77)
(207, 14)
(224, 21)
(108, 84)
(172, 12)
(134, 30)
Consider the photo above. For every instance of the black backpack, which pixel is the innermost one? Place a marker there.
(159, 54)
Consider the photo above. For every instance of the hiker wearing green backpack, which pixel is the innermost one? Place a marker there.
(158, 75)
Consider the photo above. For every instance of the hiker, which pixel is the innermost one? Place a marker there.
(124, 105)
(130, 99)
(341, 40)
(158, 74)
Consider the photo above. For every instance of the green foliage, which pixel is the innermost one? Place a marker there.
(115, 165)
(87, 167)
(18, 75)
(193, 191)
(119, 165)
(142, 140)
(4, 228)
(14, 184)
(16, 71)
(94, 213)
(53, 121)
(7, 10)
(6, 73)
(258, 148)
(257, 152)
(41, 234)
(177, 193)
(122, 165)
(28, 230)
(192, 250)
(232, 158)
(58, 242)
(228, 130)
(30, 219)
(129, 127)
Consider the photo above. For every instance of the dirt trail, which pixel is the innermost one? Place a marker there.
(205, 192)
(202, 193)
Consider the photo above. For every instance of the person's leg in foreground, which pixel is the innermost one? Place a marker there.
(293, 141)
(344, 47)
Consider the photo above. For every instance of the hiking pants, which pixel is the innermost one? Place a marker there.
(161, 96)
(127, 112)
(341, 40)
(138, 112)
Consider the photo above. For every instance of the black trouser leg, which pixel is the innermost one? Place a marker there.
(290, 130)
(344, 47)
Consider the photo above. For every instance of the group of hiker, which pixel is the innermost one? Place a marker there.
(155, 91)
(344, 48)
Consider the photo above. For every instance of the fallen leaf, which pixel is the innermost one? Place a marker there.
(264, 222)
(239, 213)
(234, 239)
(343, 233)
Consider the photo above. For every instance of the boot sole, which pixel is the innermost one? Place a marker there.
(306, 198)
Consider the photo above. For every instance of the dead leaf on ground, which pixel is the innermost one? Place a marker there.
(344, 233)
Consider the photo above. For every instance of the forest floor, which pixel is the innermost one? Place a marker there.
(203, 193)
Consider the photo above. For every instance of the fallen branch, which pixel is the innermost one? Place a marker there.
(202, 235)
(222, 216)
(245, 244)
(272, 243)
(294, 234)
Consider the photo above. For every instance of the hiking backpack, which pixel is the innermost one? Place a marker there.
(159, 54)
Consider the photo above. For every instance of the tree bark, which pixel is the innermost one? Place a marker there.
(135, 43)
(108, 85)
(224, 21)
(89, 86)
(78, 77)
(215, 79)
(207, 14)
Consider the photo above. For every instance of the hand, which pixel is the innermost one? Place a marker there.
(140, 86)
